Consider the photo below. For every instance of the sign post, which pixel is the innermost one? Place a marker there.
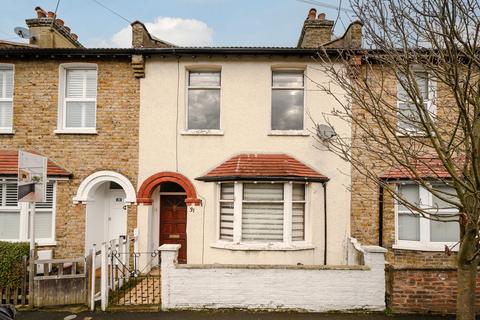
(32, 186)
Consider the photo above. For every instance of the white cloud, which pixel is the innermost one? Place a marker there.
(182, 32)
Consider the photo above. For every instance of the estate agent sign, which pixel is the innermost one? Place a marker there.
(32, 177)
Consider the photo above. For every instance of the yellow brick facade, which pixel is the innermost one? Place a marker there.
(114, 147)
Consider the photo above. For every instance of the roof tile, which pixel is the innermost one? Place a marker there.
(263, 167)
(428, 167)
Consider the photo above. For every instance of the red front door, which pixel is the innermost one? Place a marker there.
(173, 223)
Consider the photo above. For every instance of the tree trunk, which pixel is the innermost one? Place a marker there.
(467, 280)
(466, 273)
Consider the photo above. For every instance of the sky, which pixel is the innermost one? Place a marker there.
(182, 22)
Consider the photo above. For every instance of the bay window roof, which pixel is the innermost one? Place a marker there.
(263, 167)
(425, 168)
(9, 165)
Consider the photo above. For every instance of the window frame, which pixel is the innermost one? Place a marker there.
(424, 244)
(237, 243)
(62, 99)
(9, 66)
(23, 209)
(288, 132)
(187, 130)
(430, 104)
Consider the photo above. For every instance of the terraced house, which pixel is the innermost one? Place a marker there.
(205, 156)
(228, 133)
(78, 107)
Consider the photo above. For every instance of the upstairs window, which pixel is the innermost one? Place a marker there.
(6, 98)
(409, 120)
(414, 229)
(79, 99)
(203, 100)
(287, 100)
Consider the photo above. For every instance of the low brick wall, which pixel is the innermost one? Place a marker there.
(423, 290)
(303, 288)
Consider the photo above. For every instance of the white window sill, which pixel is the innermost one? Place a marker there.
(411, 134)
(7, 131)
(202, 133)
(431, 246)
(75, 131)
(262, 246)
(299, 133)
(49, 243)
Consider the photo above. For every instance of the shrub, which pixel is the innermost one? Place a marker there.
(11, 270)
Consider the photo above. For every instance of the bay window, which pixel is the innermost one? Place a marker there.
(415, 230)
(14, 216)
(262, 212)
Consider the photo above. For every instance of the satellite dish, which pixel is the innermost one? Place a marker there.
(22, 32)
(325, 132)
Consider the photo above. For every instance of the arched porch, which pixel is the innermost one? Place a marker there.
(162, 214)
(106, 195)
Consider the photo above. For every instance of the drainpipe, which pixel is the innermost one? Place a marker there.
(380, 217)
(325, 222)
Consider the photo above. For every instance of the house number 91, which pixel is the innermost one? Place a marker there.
(191, 209)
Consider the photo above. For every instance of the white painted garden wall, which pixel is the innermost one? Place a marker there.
(303, 288)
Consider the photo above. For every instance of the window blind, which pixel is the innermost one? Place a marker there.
(262, 212)
(81, 83)
(44, 212)
(298, 212)
(9, 225)
(80, 98)
(226, 211)
(9, 214)
(6, 97)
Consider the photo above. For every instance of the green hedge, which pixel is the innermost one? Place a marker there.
(11, 254)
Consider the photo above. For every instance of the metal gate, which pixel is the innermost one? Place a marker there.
(126, 278)
(134, 286)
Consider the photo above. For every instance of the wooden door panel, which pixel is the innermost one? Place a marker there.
(173, 223)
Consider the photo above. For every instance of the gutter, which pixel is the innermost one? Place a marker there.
(380, 217)
(97, 52)
(262, 178)
(325, 222)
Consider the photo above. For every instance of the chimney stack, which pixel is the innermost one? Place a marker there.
(48, 31)
(316, 31)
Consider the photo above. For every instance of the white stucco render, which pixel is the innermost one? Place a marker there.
(164, 145)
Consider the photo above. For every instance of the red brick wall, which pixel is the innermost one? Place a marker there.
(432, 290)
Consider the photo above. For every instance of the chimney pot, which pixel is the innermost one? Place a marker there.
(74, 36)
(312, 14)
(321, 16)
(60, 22)
(51, 14)
(67, 28)
(40, 12)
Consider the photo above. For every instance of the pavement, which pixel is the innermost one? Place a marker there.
(216, 315)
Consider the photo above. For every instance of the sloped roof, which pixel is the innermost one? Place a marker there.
(263, 167)
(425, 168)
(9, 164)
